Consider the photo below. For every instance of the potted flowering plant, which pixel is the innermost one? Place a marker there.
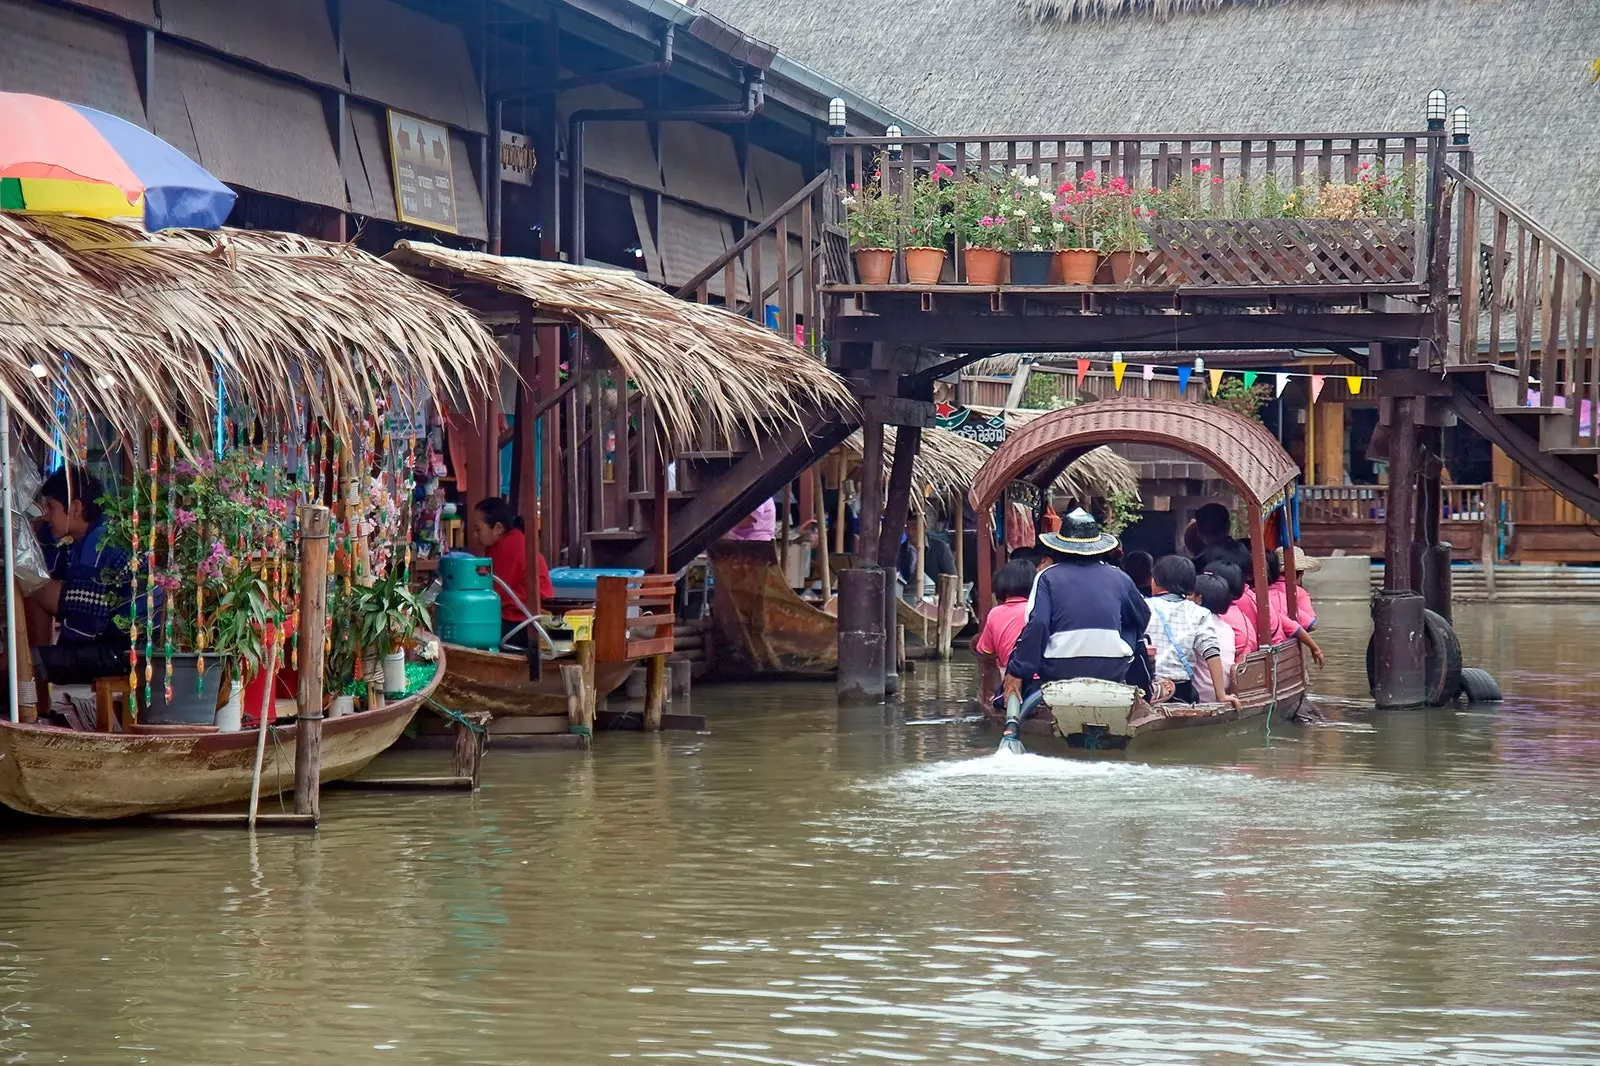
(1033, 219)
(387, 616)
(927, 225)
(872, 221)
(981, 213)
(1074, 227)
(1121, 233)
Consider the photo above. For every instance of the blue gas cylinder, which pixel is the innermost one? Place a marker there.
(467, 611)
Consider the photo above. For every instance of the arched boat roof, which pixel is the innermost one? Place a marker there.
(1239, 449)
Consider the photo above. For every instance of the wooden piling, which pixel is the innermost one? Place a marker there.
(583, 651)
(1491, 537)
(22, 655)
(655, 692)
(861, 634)
(314, 524)
(949, 602)
(472, 736)
(824, 563)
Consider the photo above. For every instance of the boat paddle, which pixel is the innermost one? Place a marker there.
(1011, 742)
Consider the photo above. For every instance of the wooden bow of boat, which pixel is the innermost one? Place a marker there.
(53, 772)
(763, 627)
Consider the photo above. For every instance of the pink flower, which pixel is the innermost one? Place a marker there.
(167, 582)
(1090, 176)
(1155, 192)
(988, 223)
(942, 171)
(1066, 186)
(1202, 168)
(184, 518)
(1216, 181)
(1119, 184)
(855, 186)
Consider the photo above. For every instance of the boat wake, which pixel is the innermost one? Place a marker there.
(1005, 765)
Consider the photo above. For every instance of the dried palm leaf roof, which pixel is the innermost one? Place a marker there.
(287, 318)
(947, 464)
(1161, 10)
(119, 359)
(701, 367)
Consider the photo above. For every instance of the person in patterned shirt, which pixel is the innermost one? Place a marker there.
(88, 584)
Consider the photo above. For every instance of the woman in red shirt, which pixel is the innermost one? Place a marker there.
(498, 531)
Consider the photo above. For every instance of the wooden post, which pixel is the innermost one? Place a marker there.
(920, 573)
(824, 563)
(861, 634)
(871, 522)
(839, 524)
(960, 538)
(1258, 563)
(472, 735)
(1491, 537)
(897, 506)
(655, 692)
(572, 685)
(983, 580)
(583, 651)
(783, 530)
(1399, 647)
(527, 484)
(22, 655)
(314, 523)
(549, 458)
(949, 602)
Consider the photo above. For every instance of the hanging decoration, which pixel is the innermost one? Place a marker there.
(1316, 387)
(1250, 379)
(1354, 384)
(1281, 383)
(1117, 370)
(1183, 379)
(1083, 369)
(1216, 380)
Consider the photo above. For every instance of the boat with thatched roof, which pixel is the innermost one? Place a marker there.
(765, 628)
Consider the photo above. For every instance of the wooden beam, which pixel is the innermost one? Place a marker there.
(899, 411)
(1524, 450)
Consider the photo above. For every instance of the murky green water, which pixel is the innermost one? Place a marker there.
(810, 885)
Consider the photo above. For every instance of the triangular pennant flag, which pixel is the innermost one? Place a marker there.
(1149, 372)
(1250, 379)
(1183, 378)
(1281, 384)
(1083, 368)
(1117, 370)
(1216, 380)
(1316, 387)
(1355, 385)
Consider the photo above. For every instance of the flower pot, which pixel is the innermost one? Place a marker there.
(394, 674)
(230, 716)
(984, 266)
(194, 697)
(340, 706)
(372, 668)
(1077, 265)
(1123, 265)
(873, 265)
(1031, 268)
(924, 265)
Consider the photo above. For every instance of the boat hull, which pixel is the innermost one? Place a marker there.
(60, 773)
(492, 681)
(763, 629)
(1269, 683)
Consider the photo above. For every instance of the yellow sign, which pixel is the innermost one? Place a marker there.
(424, 179)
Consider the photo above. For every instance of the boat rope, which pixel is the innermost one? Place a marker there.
(456, 716)
(1273, 706)
(580, 730)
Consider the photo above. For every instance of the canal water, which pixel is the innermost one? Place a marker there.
(807, 884)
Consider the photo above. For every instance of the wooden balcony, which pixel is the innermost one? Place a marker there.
(1225, 279)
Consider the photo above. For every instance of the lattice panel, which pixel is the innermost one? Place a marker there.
(1254, 252)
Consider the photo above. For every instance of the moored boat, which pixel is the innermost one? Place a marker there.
(54, 772)
(498, 682)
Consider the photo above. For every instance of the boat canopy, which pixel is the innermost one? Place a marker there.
(1239, 449)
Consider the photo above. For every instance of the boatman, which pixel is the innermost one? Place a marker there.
(1086, 617)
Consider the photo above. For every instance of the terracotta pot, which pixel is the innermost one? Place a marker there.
(984, 266)
(1123, 264)
(1077, 265)
(924, 265)
(1031, 268)
(874, 264)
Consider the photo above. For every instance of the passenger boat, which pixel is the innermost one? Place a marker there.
(53, 772)
(763, 627)
(498, 682)
(1100, 715)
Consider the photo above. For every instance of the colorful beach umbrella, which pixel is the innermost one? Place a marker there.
(65, 159)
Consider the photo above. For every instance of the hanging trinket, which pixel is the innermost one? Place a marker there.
(169, 612)
(150, 580)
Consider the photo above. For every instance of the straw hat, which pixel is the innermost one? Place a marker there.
(1303, 563)
(1080, 535)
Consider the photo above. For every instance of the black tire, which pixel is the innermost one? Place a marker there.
(1442, 678)
(1479, 687)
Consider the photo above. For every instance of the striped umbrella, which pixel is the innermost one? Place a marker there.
(64, 159)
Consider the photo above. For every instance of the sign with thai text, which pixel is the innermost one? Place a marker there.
(517, 158)
(424, 180)
(963, 423)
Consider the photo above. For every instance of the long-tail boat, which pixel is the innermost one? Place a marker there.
(1098, 715)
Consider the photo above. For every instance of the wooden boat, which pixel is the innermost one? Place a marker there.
(498, 682)
(922, 621)
(763, 628)
(1105, 716)
(1100, 715)
(53, 772)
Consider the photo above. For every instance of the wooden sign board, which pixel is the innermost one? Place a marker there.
(424, 180)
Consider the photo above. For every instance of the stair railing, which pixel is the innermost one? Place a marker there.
(1525, 300)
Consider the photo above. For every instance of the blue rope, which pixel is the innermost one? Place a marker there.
(455, 716)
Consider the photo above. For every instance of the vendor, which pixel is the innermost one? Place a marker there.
(497, 532)
(70, 617)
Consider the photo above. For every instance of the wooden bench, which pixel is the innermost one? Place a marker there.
(625, 608)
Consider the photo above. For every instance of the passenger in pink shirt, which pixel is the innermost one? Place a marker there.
(1305, 613)
(1004, 624)
(760, 524)
(1283, 627)
(1216, 597)
(1241, 612)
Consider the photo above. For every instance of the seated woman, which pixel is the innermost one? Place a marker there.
(1285, 628)
(88, 585)
(498, 531)
(1003, 625)
(1182, 634)
(1305, 614)
(1240, 613)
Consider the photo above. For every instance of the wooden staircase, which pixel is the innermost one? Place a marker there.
(772, 275)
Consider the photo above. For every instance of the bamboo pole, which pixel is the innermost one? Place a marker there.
(825, 564)
(783, 532)
(949, 601)
(920, 574)
(961, 540)
(7, 491)
(314, 523)
(838, 511)
(261, 730)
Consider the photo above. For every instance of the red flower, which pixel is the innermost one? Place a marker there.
(1202, 168)
(1216, 181)
(1090, 176)
(1065, 186)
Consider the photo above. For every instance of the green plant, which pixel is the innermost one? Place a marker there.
(1123, 509)
(1042, 392)
(344, 647)
(871, 215)
(240, 623)
(387, 613)
(1233, 395)
(981, 213)
(1121, 215)
(928, 220)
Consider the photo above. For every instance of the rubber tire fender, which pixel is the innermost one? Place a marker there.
(1479, 687)
(1442, 676)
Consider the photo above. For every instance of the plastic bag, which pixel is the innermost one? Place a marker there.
(27, 557)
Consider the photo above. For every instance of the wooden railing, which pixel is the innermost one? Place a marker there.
(1226, 248)
(1524, 300)
(1364, 503)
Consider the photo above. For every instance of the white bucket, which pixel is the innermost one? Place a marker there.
(230, 716)
(340, 706)
(394, 673)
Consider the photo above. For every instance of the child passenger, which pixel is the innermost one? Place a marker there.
(1182, 633)
(1012, 584)
(1216, 598)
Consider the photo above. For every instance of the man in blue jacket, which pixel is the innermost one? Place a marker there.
(1086, 617)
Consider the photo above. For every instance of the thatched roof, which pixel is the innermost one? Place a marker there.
(701, 367)
(287, 317)
(947, 464)
(1089, 10)
(967, 66)
(46, 308)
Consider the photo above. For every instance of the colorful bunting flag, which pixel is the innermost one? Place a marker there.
(1355, 385)
(1183, 379)
(1083, 368)
(1282, 383)
(1216, 380)
(1316, 387)
(1250, 379)
(1117, 370)
(1149, 372)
